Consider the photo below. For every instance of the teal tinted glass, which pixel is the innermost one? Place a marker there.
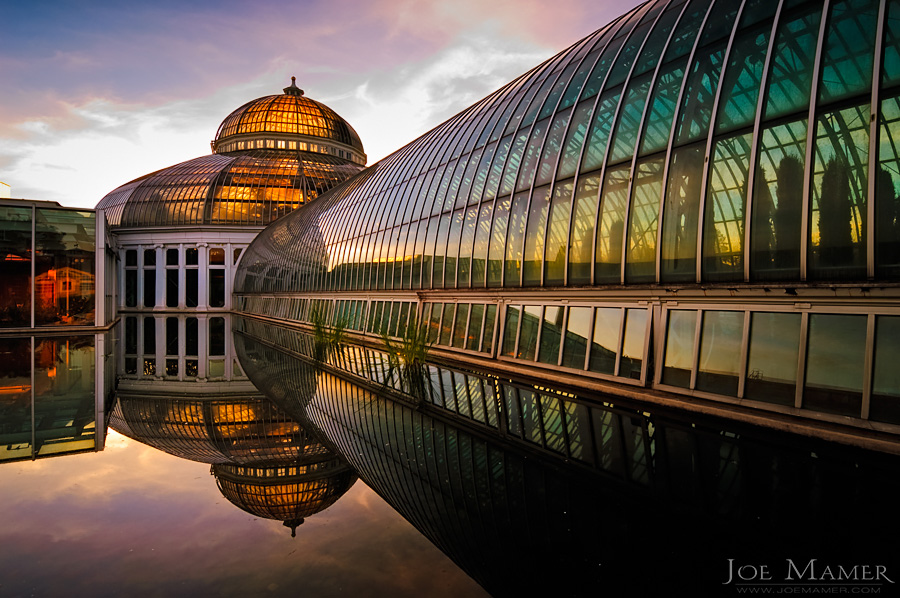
(891, 61)
(885, 404)
(848, 55)
(643, 221)
(595, 152)
(662, 108)
(743, 76)
(699, 95)
(887, 184)
(574, 142)
(686, 31)
(656, 41)
(629, 120)
(793, 56)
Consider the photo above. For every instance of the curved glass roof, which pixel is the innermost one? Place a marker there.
(690, 141)
(250, 188)
(237, 430)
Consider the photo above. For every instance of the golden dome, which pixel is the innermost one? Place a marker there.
(289, 121)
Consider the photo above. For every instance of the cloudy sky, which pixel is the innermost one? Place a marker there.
(96, 93)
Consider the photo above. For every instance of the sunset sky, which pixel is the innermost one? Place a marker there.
(96, 93)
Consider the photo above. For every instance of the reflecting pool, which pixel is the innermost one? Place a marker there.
(325, 472)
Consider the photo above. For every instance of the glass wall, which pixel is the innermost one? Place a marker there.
(697, 141)
(48, 266)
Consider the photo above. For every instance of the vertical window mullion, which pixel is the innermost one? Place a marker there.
(868, 364)
(811, 128)
(745, 353)
(696, 356)
(801, 360)
(874, 162)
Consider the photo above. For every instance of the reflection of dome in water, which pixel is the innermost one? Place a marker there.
(287, 492)
(270, 156)
(214, 430)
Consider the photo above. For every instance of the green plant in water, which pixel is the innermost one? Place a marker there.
(326, 339)
(407, 355)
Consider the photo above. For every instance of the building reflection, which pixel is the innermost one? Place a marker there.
(263, 460)
(532, 489)
(53, 393)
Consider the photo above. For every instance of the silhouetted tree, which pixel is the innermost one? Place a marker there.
(789, 191)
(835, 213)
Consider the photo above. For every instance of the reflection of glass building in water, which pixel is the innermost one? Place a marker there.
(700, 198)
(533, 489)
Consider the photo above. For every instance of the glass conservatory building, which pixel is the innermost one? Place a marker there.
(702, 197)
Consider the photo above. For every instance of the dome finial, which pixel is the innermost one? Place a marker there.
(292, 89)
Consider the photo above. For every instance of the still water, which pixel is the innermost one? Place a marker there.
(470, 486)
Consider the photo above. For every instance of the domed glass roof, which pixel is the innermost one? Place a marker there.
(270, 156)
(266, 121)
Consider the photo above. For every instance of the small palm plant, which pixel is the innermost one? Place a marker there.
(407, 355)
(326, 339)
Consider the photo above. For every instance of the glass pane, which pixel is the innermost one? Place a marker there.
(613, 204)
(740, 87)
(531, 318)
(629, 123)
(720, 352)
(131, 286)
(837, 247)
(551, 333)
(191, 291)
(778, 203)
(481, 244)
(487, 341)
(16, 399)
(834, 364)
(595, 152)
(723, 223)
(149, 288)
(631, 362)
(885, 404)
(547, 168)
(534, 237)
(643, 222)
(848, 54)
(887, 184)
(149, 335)
(498, 243)
(793, 56)
(686, 32)
(605, 340)
(191, 256)
(459, 328)
(217, 288)
(891, 63)
(574, 142)
(64, 267)
(515, 240)
(581, 235)
(172, 336)
(473, 337)
(697, 105)
(447, 324)
(172, 257)
(679, 360)
(216, 255)
(191, 336)
(662, 108)
(772, 361)
(680, 215)
(656, 42)
(578, 330)
(172, 287)
(15, 268)
(558, 234)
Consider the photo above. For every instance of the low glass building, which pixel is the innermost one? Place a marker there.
(181, 230)
(701, 197)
